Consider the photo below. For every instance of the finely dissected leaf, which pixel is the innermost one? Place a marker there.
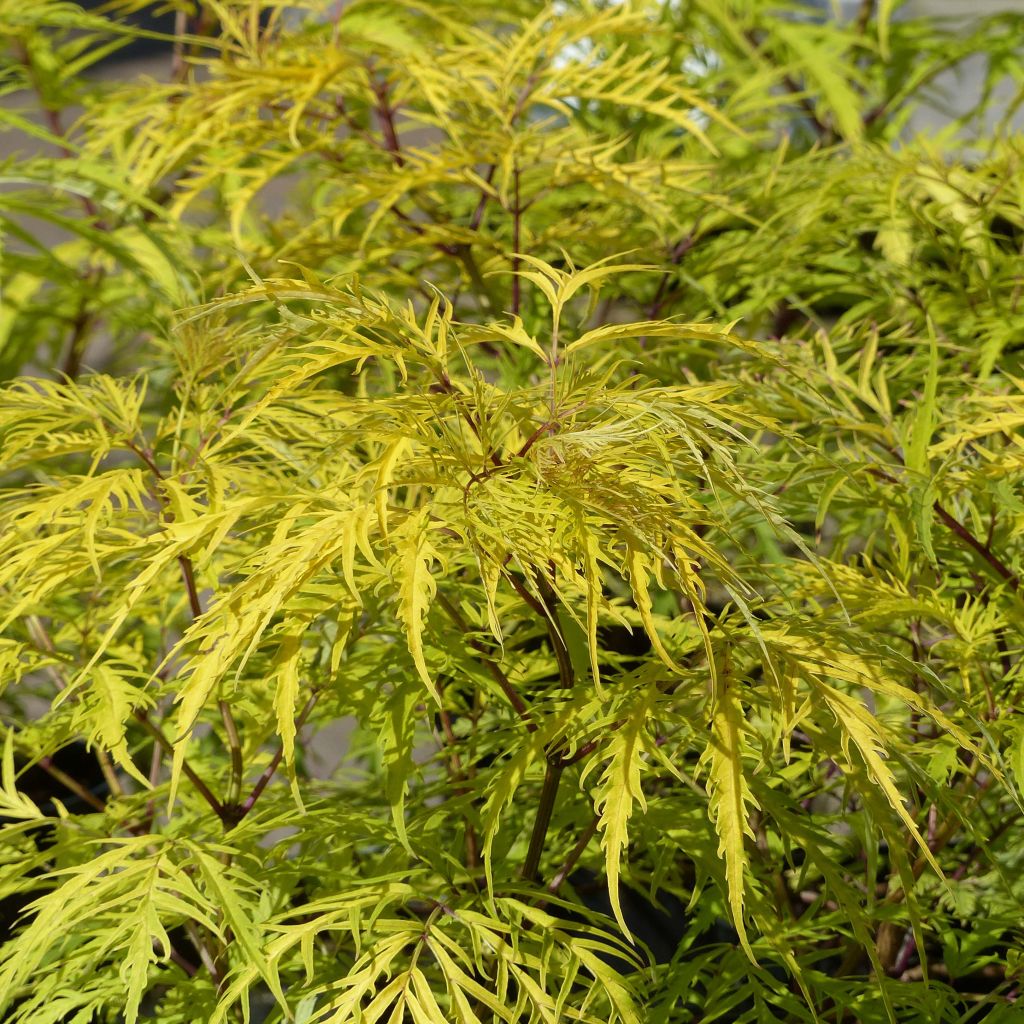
(113, 707)
(655, 329)
(552, 407)
(619, 790)
(230, 902)
(638, 565)
(416, 587)
(923, 496)
(397, 737)
(514, 333)
(287, 693)
(148, 944)
(14, 803)
(923, 423)
(131, 891)
(731, 799)
(861, 729)
(385, 471)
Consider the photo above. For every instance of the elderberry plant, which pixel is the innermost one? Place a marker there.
(610, 414)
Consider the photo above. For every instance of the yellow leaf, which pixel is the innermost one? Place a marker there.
(385, 472)
(619, 791)
(730, 793)
(13, 802)
(112, 708)
(860, 726)
(637, 565)
(593, 574)
(237, 915)
(416, 587)
(516, 334)
(287, 664)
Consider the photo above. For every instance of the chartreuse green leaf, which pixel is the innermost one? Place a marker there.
(15, 804)
(414, 556)
(510, 512)
(816, 58)
(231, 901)
(619, 791)
(638, 566)
(731, 800)
(921, 430)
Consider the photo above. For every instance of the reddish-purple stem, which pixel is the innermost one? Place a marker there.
(386, 116)
(275, 762)
(573, 859)
(960, 530)
(478, 213)
(986, 553)
(517, 215)
(188, 771)
(679, 250)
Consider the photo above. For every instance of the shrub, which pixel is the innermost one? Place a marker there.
(614, 419)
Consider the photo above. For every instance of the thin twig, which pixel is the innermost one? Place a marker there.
(269, 772)
(179, 67)
(72, 365)
(963, 533)
(519, 705)
(189, 772)
(109, 775)
(188, 574)
(982, 549)
(867, 9)
(234, 746)
(204, 25)
(545, 428)
(545, 808)
(517, 226)
(53, 122)
(574, 855)
(386, 116)
(195, 937)
(555, 764)
(51, 769)
(524, 94)
(186, 965)
(478, 214)
(679, 250)
(517, 110)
